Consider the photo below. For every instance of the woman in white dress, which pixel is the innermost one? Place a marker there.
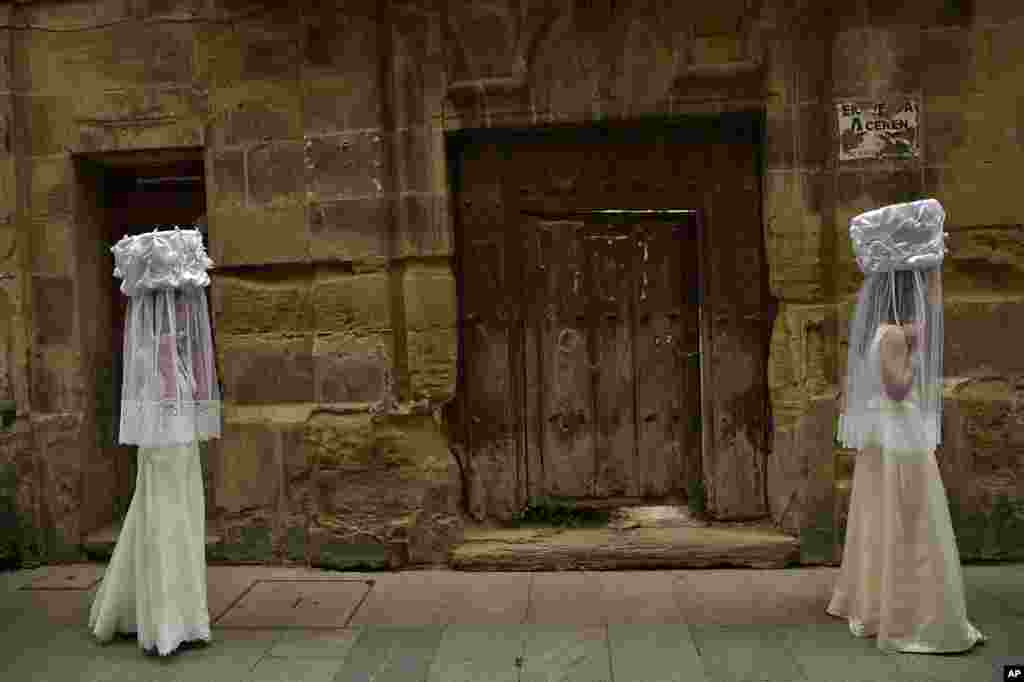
(901, 579)
(155, 584)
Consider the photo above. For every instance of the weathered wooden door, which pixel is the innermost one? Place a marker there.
(611, 338)
(581, 336)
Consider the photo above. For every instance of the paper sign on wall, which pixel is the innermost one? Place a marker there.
(878, 130)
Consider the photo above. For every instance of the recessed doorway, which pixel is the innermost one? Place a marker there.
(120, 194)
(612, 353)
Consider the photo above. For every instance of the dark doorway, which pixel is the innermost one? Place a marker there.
(120, 194)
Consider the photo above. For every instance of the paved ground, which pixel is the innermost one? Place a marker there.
(444, 626)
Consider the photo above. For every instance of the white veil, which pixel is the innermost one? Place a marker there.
(169, 392)
(900, 250)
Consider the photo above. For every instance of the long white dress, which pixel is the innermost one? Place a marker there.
(155, 583)
(901, 578)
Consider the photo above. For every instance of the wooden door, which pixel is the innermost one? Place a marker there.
(611, 338)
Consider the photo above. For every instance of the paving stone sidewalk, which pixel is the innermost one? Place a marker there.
(294, 625)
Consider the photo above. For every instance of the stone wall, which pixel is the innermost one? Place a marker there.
(961, 60)
(334, 300)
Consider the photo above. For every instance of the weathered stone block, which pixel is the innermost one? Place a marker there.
(794, 233)
(649, 66)
(53, 246)
(811, 55)
(338, 102)
(58, 442)
(267, 369)
(425, 228)
(386, 480)
(415, 443)
(262, 302)
(98, 137)
(817, 512)
(780, 141)
(246, 540)
(228, 174)
(107, 58)
(816, 136)
(419, 73)
(342, 76)
(247, 467)
(260, 235)
(418, 149)
(982, 336)
(895, 64)
(350, 230)
(99, 487)
(6, 70)
(486, 41)
(430, 300)
(358, 52)
(890, 187)
(997, 54)
(19, 494)
(805, 446)
(53, 303)
(52, 187)
(978, 193)
(298, 500)
(801, 360)
(993, 425)
(353, 164)
(340, 441)
(180, 10)
(262, 49)
(43, 124)
(432, 363)
(984, 259)
(980, 457)
(8, 204)
(721, 48)
(411, 447)
(255, 112)
(275, 173)
(55, 385)
(995, 11)
(352, 369)
(952, 58)
(851, 62)
(944, 131)
(344, 302)
(345, 552)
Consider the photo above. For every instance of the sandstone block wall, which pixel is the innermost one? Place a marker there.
(322, 128)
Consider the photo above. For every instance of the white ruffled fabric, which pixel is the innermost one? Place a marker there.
(900, 237)
(169, 391)
(169, 259)
(155, 584)
(901, 578)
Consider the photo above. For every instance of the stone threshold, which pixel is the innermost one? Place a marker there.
(636, 538)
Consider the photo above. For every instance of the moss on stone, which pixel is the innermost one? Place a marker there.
(341, 556)
(253, 545)
(818, 542)
(295, 544)
(60, 550)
